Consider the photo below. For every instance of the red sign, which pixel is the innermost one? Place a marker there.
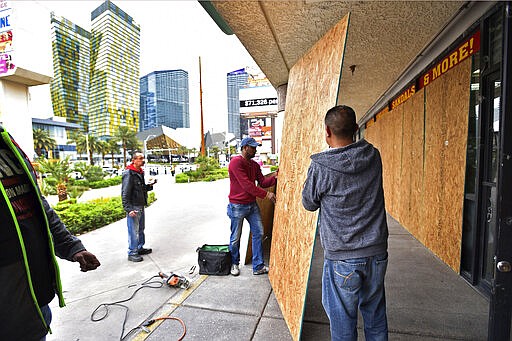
(465, 50)
(404, 96)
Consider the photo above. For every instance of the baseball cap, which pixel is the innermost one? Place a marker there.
(249, 141)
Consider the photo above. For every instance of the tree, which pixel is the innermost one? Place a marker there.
(215, 151)
(102, 149)
(80, 142)
(82, 167)
(43, 141)
(128, 140)
(112, 148)
(59, 170)
(94, 146)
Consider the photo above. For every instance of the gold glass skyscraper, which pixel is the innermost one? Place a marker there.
(115, 68)
(70, 84)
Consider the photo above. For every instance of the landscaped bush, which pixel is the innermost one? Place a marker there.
(94, 174)
(75, 191)
(83, 217)
(181, 178)
(207, 171)
(106, 182)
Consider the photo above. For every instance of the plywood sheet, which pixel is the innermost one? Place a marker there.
(312, 89)
(435, 132)
(417, 159)
(454, 162)
(386, 150)
(391, 126)
(267, 218)
(404, 201)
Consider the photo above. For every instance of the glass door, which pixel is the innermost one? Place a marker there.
(490, 178)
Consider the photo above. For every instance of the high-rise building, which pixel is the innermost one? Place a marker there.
(70, 84)
(236, 80)
(164, 100)
(115, 67)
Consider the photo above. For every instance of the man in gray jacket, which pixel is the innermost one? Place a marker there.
(345, 182)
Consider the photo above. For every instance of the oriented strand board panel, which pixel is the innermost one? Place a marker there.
(312, 90)
(386, 151)
(435, 132)
(454, 163)
(404, 202)
(416, 225)
(267, 216)
(397, 159)
(447, 108)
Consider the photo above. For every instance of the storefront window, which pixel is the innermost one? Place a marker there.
(471, 183)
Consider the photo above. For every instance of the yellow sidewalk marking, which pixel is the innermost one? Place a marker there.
(169, 307)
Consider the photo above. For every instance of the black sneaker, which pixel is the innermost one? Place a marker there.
(135, 258)
(143, 251)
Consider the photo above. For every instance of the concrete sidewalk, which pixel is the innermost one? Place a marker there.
(426, 300)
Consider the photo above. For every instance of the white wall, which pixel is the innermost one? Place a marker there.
(14, 114)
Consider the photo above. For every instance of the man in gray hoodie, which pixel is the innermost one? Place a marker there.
(345, 182)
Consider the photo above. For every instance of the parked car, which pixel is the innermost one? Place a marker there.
(75, 175)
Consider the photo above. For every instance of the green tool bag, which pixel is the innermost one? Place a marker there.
(214, 260)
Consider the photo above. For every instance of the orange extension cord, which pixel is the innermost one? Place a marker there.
(150, 322)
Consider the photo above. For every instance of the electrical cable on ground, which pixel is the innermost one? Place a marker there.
(146, 284)
(150, 322)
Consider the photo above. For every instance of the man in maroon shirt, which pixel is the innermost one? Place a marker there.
(243, 172)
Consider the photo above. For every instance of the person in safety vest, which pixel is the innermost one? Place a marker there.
(31, 234)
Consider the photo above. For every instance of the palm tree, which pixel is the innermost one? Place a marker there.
(80, 141)
(59, 170)
(103, 150)
(127, 138)
(112, 148)
(182, 150)
(42, 140)
(94, 146)
(215, 150)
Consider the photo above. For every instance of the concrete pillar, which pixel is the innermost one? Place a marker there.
(281, 97)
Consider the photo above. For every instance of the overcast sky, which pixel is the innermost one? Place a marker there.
(173, 36)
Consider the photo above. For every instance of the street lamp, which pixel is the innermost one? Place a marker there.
(145, 146)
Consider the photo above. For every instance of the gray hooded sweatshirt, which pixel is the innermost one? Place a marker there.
(346, 184)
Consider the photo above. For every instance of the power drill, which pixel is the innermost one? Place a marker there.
(175, 280)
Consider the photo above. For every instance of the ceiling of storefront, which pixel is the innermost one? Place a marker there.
(384, 38)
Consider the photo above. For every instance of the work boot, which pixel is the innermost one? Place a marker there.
(135, 258)
(143, 251)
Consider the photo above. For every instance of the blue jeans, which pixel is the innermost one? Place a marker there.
(136, 238)
(47, 314)
(237, 213)
(351, 284)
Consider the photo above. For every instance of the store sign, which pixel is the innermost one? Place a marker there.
(404, 96)
(461, 53)
(464, 51)
(258, 102)
(6, 39)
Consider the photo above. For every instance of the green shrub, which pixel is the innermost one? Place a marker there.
(75, 191)
(181, 178)
(94, 174)
(106, 182)
(48, 189)
(83, 217)
(205, 172)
